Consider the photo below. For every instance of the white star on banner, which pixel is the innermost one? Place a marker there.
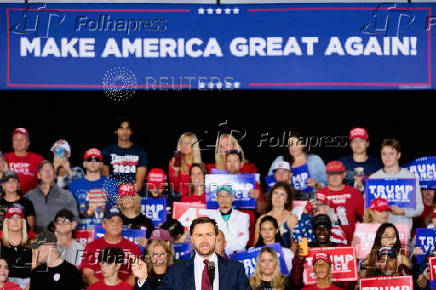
(219, 85)
(218, 11)
(235, 10)
(227, 10)
(200, 11)
(201, 85)
(236, 84)
(210, 11)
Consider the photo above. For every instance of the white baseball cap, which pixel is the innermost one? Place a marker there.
(281, 165)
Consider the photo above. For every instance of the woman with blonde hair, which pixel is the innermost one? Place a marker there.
(267, 273)
(188, 152)
(3, 165)
(159, 256)
(129, 203)
(225, 143)
(15, 238)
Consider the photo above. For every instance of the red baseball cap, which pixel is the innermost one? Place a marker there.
(13, 211)
(156, 177)
(21, 131)
(379, 204)
(126, 189)
(93, 152)
(322, 256)
(335, 166)
(358, 133)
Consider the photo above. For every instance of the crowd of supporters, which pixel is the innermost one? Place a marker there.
(45, 201)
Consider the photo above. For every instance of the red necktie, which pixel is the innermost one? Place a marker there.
(205, 283)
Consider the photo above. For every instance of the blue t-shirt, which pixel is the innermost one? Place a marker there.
(370, 166)
(123, 162)
(94, 197)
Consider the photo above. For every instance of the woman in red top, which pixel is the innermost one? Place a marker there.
(225, 143)
(197, 191)
(188, 152)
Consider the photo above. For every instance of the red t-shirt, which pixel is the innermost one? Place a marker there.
(313, 287)
(346, 204)
(181, 182)
(101, 286)
(10, 286)
(247, 167)
(26, 168)
(194, 198)
(90, 256)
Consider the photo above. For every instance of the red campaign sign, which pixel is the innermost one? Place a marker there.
(366, 234)
(186, 212)
(84, 236)
(432, 268)
(386, 282)
(344, 267)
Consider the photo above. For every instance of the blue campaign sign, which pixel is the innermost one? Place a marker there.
(88, 224)
(249, 258)
(399, 192)
(218, 171)
(433, 285)
(154, 209)
(129, 234)
(299, 177)
(181, 249)
(425, 169)
(157, 46)
(426, 240)
(240, 183)
(270, 181)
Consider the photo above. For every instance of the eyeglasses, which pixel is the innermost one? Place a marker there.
(65, 221)
(93, 159)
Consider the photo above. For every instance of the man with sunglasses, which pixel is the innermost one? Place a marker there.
(233, 223)
(69, 249)
(94, 192)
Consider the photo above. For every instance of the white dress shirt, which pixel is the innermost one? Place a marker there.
(198, 271)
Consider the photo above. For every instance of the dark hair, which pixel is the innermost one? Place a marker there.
(236, 152)
(203, 220)
(289, 190)
(377, 245)
(111, 255)
(286, 155)
(64, 213)
(44, 162)
(121, 119)
(199, 165)
(272, 220)
(174, 227)
(394, 143)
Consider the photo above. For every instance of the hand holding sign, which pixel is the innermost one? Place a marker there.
(400, 192)
(139, 268)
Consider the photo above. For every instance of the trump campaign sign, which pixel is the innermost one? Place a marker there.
(241, 185)
(398, 191)
(366, 234)
(154, 209)
(386, 283)
(432, 268)
(249, 259)
(425, 170)
(181, 249)
(299, 178)
(426, 240)
(186, 212)
(343, 264)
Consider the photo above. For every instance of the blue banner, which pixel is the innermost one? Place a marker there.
(425, 169)
(399, 192)
(270, 181)
(240, 183)
(249, 258)
(126, 47)
(299, 178)
(154, 209)
(181, 249)
(88, 224)
(129, 234)
(426, 240)
(433, 285)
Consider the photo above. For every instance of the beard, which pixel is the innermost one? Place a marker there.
(205, 251)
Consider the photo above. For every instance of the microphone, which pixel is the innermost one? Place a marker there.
(211, 270)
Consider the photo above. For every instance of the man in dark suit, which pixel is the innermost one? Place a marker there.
(195, 273)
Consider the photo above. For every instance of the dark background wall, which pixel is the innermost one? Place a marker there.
(85, 119)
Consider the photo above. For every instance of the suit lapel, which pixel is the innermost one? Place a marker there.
(222, 274)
